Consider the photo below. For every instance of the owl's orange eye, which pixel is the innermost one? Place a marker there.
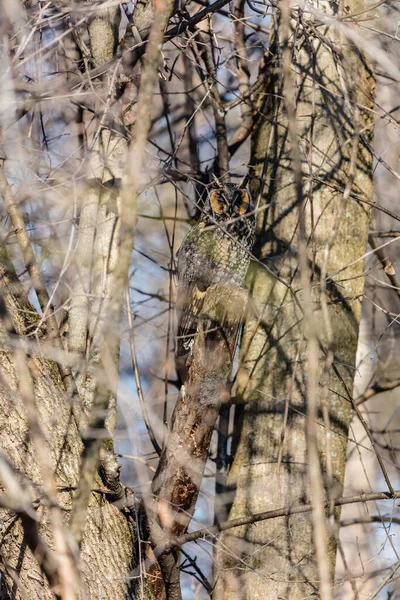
(244, 204)
(218, 207)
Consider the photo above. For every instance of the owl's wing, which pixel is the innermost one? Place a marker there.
(189, 309)
(191, 291)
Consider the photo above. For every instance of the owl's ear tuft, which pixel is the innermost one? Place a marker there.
(217, 181)
(244, 205)
(217, 206)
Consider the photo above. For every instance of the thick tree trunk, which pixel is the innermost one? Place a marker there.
(45, 444)
(29, 381)
(322, 83)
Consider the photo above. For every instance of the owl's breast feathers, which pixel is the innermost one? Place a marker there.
(209, 254)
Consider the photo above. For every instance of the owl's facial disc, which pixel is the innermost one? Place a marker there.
(217, 205)
(244, 203)
(230, 202)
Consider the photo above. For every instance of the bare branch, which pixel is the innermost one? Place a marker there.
(213, 530)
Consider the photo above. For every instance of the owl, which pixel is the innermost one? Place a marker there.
(216, 250)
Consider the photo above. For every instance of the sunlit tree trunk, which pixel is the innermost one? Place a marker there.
(29, 383)
(312, 168)
(43, 416)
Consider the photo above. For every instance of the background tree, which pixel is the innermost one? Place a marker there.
(299, 345)
(114, 120)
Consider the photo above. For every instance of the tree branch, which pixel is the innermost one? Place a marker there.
(180, 471)
(213, 530)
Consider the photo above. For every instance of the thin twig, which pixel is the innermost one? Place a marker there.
(205, 52)
(139, 389)
(243, 76)
(377, 388)
(385, 581)
(35, 273)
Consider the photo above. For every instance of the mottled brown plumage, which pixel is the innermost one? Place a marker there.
(216, 250)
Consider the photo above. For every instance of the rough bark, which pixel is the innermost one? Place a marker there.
(270, 466)
(180, 471)
(104, 528)
(21, 570)
(96, 262)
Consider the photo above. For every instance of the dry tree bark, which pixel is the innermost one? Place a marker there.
(47, 415)
(76, 537)
(309, 153)
(180, 470)
(68, 527)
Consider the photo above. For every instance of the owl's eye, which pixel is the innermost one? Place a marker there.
(244, 205)
(218, 207)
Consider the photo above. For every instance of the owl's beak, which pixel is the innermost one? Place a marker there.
(231, 211)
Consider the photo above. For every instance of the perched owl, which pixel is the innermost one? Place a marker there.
(216, 250)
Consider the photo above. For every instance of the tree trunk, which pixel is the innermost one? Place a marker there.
(68, 520)
(313, 168)
(34, 375)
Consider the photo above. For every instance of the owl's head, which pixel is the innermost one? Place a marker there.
(229, 201)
